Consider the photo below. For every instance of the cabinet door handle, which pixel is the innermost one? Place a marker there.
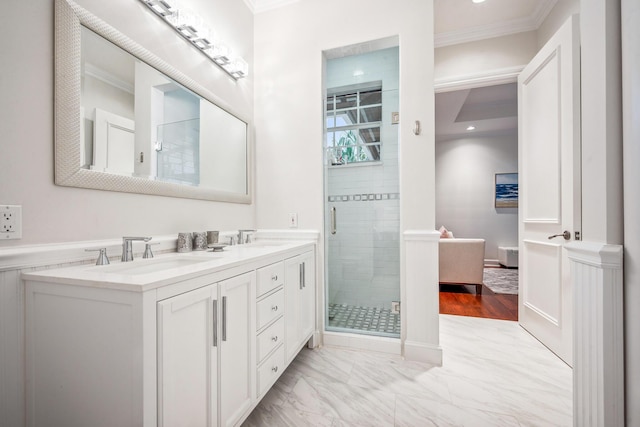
(274, 338)
(274, 308)
(274, 369)
(215, 323)
(274, 277)
(224, 318)
(304, 274)
(301, 275)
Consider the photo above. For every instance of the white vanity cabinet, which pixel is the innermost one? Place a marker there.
(205, 353)
(299, 302)
(193, 345)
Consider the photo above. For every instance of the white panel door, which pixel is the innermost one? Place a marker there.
(187, 359)
(114, 143)
(237, 354)
(549, 164)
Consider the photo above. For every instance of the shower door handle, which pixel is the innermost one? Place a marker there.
(333, 220)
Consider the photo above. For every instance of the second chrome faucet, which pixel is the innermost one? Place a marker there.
(127, 247)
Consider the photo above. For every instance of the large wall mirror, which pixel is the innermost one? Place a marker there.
(127, 121)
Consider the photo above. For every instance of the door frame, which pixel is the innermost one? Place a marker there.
(477, 80)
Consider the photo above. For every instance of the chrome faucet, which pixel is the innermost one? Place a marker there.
(127, 247)
(244, 236)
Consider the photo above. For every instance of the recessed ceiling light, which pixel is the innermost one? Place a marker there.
(478, 1)
(471, 128)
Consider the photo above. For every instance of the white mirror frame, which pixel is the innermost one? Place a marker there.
(69, 17)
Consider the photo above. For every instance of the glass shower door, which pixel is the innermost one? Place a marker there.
(362, 199)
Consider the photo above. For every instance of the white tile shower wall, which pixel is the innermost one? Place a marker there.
(364, 255)
(374, 66)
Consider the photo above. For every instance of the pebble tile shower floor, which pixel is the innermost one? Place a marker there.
(364, 318)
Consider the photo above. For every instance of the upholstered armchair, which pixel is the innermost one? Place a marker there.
(462, 262)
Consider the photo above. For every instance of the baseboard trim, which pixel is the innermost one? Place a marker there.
(491, 263)
(420, 352)
(362, 342)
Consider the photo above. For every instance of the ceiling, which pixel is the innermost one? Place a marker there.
(492, 110)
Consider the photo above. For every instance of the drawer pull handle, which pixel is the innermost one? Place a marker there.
(274, 338)
(274, 308)
(274, 277)
(274, 369)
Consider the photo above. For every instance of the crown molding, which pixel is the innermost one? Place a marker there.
(251, 4)
(483, 32)
(259, 6)
(108, 78)
(542, 11)
(484, 78)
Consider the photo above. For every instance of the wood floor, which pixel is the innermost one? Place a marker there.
(463, 301)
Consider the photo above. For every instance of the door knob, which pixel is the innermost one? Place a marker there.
(565, 234)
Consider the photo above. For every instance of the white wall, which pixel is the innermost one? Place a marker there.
(602, 219)
(558, 15)
(289, 42)
(289, 108)
(59, 214)
(631, 122)
(485, 56)
(465, 189)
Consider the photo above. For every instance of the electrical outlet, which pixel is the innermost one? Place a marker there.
(395, 307)
(10, 222)
(293, 220)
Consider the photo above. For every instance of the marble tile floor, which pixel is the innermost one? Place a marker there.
(494, 374)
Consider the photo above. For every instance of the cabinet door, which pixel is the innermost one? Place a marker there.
(299, 302)
(187, 359)
(307, 296)
(292, 292)
(237, 347)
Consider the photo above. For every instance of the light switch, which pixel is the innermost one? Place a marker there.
(293, 220)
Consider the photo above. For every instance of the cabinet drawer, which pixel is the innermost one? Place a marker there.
(270, 277)
(269, 308)
(270, 370)
(270, 338)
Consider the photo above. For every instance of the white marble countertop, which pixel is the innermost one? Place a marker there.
(144, 274)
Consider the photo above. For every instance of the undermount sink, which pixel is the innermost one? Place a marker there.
(152, 265)
(265, 243)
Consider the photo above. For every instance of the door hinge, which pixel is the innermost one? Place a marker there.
(395, 307)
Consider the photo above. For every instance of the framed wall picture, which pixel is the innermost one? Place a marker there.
(506, 190)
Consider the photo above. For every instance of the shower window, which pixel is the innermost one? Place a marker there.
(353, 120)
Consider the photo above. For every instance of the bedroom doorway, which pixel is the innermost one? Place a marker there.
(476, 197)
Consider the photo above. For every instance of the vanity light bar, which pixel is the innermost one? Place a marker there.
(192, 27)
